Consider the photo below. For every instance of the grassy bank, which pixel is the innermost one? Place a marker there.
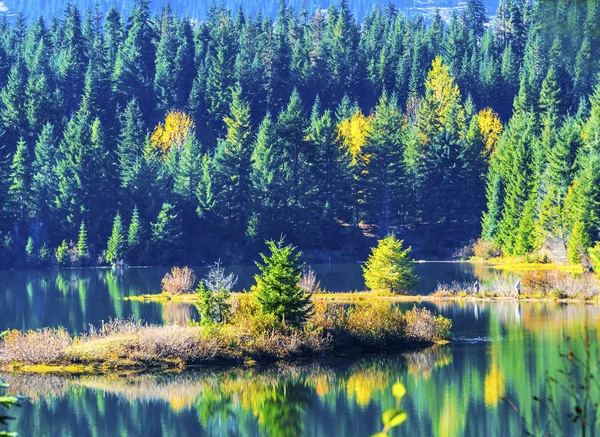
(122, 345)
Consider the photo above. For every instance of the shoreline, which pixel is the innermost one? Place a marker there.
(370, 297)
(174, 366)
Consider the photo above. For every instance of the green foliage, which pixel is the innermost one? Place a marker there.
(134, 237)
(213, 306)
(117, 243)
(62, 254)
(277, 287)
(82, 245)
(390, 267)
(578, 243)
(79, 99)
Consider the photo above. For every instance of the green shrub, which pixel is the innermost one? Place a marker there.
(374, 324)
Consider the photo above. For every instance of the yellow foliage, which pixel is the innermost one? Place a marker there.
(173, 132)
(353, 132)
(442, 98)
(490, 127)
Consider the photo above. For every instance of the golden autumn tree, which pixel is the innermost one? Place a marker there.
(438, 107)
(353, 133)
(173, 132)
(490, 127)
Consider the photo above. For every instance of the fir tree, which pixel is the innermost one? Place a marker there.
(277, 289)
(82, 245)
(134, 237)
(389, 267)
(117, 243)
(19, 191)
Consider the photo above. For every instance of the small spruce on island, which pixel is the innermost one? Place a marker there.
(390, 267)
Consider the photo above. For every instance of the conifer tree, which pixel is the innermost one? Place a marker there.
(43, 182)
(231, 168)
(389, 267)
(117, 243)
(134, 237)
(131, 143)
(19, 191)
(277, 289)
(82, 245)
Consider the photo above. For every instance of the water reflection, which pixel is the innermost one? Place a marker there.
(32, 299)
(453, 390)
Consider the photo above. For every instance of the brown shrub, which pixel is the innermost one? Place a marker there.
(374, 324)
(44, 346)
(487, 249)
(286, 344)
(178, 281)
(422, 325)
(175, 343)
(558, 284)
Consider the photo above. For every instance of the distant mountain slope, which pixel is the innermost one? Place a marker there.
(199, 8)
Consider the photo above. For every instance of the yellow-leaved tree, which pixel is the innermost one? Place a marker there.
(173, 132)
(438, 107)
(353, 132)
(490, 127)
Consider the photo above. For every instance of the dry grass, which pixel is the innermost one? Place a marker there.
(124, 344)
(35, 347)
(178, 281)
(535, 284)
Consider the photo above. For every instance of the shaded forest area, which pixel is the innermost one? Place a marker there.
(155, 139)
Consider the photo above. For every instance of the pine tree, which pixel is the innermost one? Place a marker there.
(390, 267)
(267, 177)
(475, 17)
(134, 237)
(62, 254)
(231, 168)
(134, 69)
(43, 181)
(82, 245)
(514, 154)
(166, 233)
(131, 142)
(13, 114)
(277, 289)
(19, 191)
(117, 243)
(384, 173)
(80, 171)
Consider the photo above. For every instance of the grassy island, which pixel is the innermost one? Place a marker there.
(248, 337)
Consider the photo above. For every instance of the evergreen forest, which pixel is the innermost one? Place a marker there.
(154, 138)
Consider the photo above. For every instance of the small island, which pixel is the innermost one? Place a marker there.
(277, 320)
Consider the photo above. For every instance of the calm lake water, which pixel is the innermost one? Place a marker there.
(500, 351)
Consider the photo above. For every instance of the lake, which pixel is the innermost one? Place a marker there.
(499, 359)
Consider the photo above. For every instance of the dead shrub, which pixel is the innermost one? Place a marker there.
(114, 327)
(44, 346)
(175, 343)
(308, 282)
(178, 281)
(422, 325)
